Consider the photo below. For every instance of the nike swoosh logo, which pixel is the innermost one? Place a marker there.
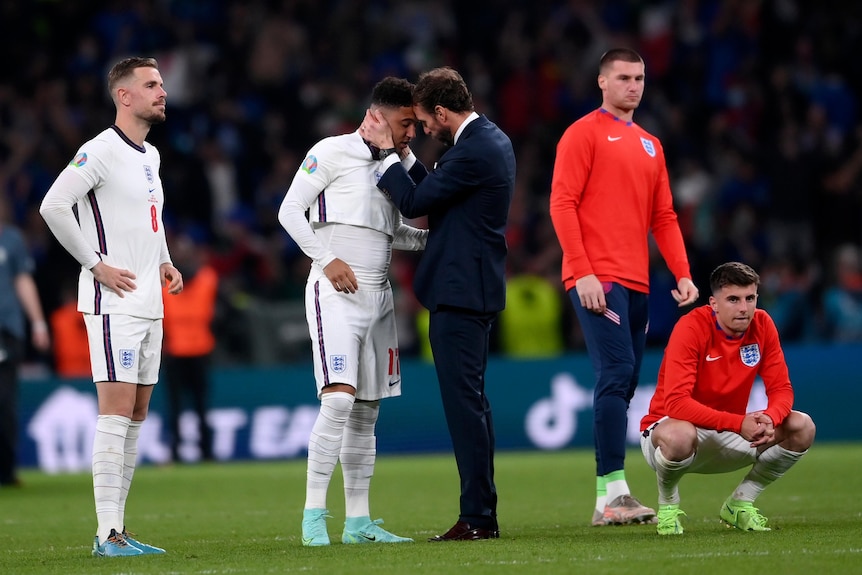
(369, 537)
(710, 358)
(614, 139)
(153, 190)
(391, 383)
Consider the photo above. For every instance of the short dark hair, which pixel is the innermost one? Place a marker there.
(618, 54)
(732, 274)
(124, 68)
(393, 93)
(442, 87)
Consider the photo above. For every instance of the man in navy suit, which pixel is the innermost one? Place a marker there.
(461, 276)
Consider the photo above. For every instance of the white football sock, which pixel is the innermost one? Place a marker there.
(668, 474)
(770, 465)
(324, 446)
(108, 447)
(358, 453)
(615, 488)
(130, 459)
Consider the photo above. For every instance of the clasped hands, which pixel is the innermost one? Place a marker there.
(758, 428)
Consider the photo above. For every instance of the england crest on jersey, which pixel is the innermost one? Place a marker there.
(750, 354)
(648, 146)
(338, 362)
(149, 173)
(127, 358)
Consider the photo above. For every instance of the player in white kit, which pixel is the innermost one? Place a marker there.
(117, 236)
(349, 234)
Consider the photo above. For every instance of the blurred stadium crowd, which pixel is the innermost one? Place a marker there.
(755, 101)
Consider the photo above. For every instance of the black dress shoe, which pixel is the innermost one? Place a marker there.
(463, 531)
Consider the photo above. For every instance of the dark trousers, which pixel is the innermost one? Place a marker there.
(189, 377)
(615, 343)
(10, 355)
(459, 341)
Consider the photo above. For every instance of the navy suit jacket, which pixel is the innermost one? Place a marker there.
(466, 198)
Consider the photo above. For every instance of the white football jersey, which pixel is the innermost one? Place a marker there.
(342, 168)
(337, 185)
(120, 219)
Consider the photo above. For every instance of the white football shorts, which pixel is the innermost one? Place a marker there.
(124, 348)
(353, 339)
(717, 451)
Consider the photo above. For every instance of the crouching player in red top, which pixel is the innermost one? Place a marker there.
(697, 421)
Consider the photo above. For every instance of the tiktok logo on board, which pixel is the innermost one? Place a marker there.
(551, 423)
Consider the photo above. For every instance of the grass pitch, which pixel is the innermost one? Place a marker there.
(244, 518)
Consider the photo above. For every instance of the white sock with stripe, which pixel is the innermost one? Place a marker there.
(130, 459)
(358, 454)
(616, 485)
(668, 473)
(324, 446)
(108, 454)
(770, 465)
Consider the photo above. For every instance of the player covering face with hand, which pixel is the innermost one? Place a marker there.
(349, 235)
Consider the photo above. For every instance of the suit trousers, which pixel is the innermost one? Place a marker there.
(459, 342)
(188, 378)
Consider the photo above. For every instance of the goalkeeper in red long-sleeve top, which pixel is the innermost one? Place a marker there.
(697, 421)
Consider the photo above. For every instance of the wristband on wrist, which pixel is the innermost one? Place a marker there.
(385, 153)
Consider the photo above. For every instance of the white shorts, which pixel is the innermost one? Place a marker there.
(717, 451)
(124, 348)
(353, 340)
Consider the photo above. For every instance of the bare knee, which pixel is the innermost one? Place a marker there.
(139, 413)
(796, 431)
(676, 438)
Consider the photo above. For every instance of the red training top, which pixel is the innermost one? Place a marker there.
(609, 190)
(706, 376)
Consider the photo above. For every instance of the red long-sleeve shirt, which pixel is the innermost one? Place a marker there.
(610, 188)
(706, 376)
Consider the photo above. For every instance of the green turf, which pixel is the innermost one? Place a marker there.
(243, 518)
